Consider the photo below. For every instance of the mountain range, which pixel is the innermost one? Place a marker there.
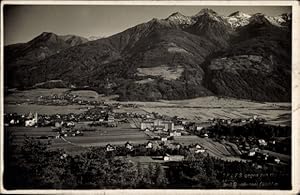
(179, 57)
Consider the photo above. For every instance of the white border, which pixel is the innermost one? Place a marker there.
(295, 95)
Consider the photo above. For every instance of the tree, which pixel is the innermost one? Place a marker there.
(161, 179)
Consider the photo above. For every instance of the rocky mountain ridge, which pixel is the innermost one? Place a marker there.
(177, 57)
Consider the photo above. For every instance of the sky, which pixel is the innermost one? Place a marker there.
(24, 22)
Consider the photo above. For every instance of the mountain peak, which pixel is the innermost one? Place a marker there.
(47, 34)
(206, 11)
(179, 18)
(239, 14)
(259, 18)
(176, 14)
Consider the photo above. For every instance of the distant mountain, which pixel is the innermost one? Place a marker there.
(240, 55)
(39, 48)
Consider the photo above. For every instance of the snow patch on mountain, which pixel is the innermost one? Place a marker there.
(237, 19)
(180, 19)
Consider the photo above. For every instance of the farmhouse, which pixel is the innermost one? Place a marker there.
(149, 145)
(251, 152)
(109, 148)
(32, 120)
(129, 146)
(262, 142)
(168, 157)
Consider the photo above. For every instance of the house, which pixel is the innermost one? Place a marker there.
(14, 121)
(262, 142)
(147, 129)
(31, 120)
(252, 152)
(63, 156)
(175, 133)
(128, 146)
(109, 148)
(202, 150)
(149, 145)
(277, 160)
(183, 122)
(177, 145)
(205, 135)
(164, 139)
(168, 157)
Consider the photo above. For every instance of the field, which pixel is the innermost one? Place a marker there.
(26, 95)
(168, 73)
(100, 137)
(44, 109)
(202, 109)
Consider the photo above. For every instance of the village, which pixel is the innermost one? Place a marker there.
(164, 138)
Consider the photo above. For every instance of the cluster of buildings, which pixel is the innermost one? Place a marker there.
(65, 99)
(162, 129)
(29, 120)
(154, 146)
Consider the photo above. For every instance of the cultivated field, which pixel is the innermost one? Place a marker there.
(166, 72)
(204, 108)
(27, 95)
(100, 137)
(44, 109)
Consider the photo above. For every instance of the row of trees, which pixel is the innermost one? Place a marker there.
(210, 172)
(34, 166)
(254, 129)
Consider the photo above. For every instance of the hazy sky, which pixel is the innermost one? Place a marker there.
(24, 22)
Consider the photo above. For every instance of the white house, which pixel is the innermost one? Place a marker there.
(149, 145)
(202, 150)
(199, 128)
(109, 148)
(129, 146)
(175, 134)
(251, 152)
(31, 122)
(164, 139)
(262, 142)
